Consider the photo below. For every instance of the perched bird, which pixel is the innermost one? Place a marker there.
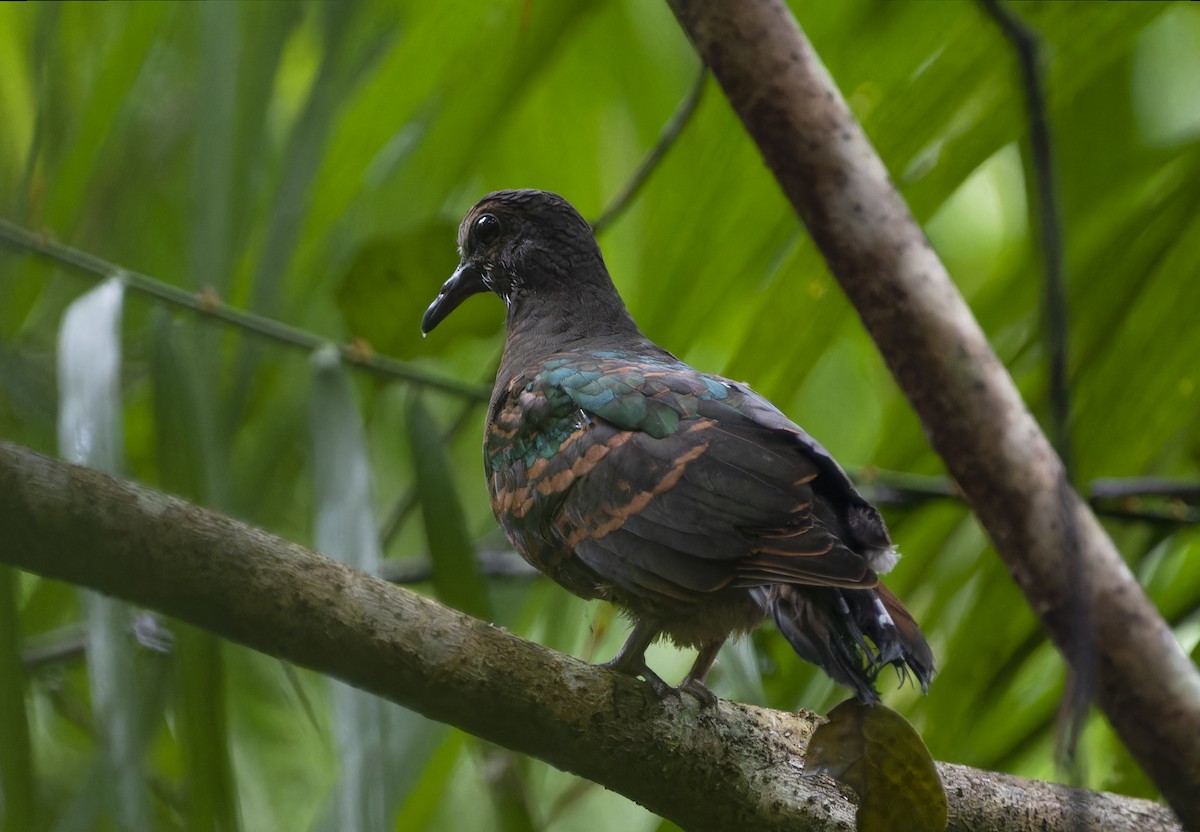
(686, 499)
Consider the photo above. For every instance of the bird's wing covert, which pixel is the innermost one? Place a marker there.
(674, 490)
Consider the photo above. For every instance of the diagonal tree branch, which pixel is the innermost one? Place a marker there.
(208, 305)
(730, 767)
(972, 412)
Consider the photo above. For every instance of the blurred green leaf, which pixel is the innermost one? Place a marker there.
(204, 731)
(17, 776)
(90, 433)
(457, 579)
(387, 274)
(185, 462)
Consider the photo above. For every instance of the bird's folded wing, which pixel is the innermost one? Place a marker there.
(710, 504)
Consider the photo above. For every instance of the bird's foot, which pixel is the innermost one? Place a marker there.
(633, 665)
(631, 660)
(697, 689)
(691, 686)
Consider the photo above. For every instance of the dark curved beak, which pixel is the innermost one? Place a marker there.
(467, 280)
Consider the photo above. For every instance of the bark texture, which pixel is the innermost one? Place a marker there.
(729, 767)
(972, 412)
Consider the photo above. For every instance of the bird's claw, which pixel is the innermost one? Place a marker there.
(697, 689)
(631, 661)
(693, 687)
(629, 665)
(661, 689)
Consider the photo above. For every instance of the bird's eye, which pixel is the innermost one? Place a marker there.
(487, 229)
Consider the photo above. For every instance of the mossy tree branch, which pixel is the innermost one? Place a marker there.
(729, 767)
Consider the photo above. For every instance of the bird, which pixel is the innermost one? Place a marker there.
(684, 498)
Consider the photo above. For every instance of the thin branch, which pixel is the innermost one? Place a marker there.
(1027, 45)
(972, 411)
(1118, 499)
(1081, 679)
(208, 305)
(407, 501)
(1176, 516)
(706, 768)
(670, 133)
(1132, 488)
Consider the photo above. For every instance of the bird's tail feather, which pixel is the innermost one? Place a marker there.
(852, 634)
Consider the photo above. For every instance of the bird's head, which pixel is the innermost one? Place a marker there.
(523, 245)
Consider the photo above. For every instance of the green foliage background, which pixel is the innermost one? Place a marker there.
(311, 161)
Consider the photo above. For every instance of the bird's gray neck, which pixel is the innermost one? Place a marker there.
(590, 318)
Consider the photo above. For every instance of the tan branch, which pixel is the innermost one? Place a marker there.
(971, 410)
